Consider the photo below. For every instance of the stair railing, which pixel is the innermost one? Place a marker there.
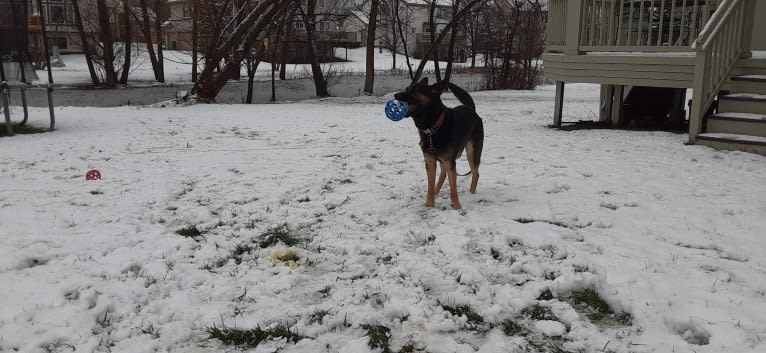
(723, 41)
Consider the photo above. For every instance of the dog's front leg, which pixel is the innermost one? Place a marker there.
(431, 175)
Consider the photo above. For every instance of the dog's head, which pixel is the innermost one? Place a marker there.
(423, 98)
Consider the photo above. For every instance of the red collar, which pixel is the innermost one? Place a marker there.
(436, 125)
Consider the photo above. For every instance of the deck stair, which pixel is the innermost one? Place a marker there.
(740, 122)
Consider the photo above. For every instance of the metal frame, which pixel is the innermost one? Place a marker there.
(5, 88)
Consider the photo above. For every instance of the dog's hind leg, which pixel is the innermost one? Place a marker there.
(452, 175)
(442, 176)
(473, 150)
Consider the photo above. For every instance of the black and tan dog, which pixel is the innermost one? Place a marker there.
(445, 133)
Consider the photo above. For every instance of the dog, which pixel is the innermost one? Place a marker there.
(444, 134)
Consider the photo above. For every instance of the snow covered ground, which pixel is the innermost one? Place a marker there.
(674, 235)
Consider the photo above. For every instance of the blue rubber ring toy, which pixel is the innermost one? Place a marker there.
(396, 110)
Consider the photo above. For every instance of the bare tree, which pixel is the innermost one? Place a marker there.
(309, 17)
(372, 26)
(86, 47)
(105, 32)
(227, 40)
(126, 42)
(456, 19)
(520, 29)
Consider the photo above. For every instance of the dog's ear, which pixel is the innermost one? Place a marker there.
(440, 87)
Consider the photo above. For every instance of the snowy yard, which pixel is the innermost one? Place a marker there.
(672, 237)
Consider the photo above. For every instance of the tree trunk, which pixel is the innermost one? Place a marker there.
(309, 18)
(252, 67)
(369, 77)
(404, 41)
(158, 29)
(432, 25)
(451, 49)
(284, 46)
(127, 43)
(110, 76)
(86, 49)
(194, 40)
(147, 31)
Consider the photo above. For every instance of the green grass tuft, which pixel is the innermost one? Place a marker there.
(538, 312)
(464, 310)
(596, 308)
(253, 337)
(280, 234)
(380, 337)
(189, 231)
(511, 328)
(545, 295)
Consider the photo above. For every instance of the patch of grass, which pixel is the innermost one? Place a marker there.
(318, 316)
(581, 268)
(253, 337)
(22, 130)
(345, 181)
(239, 251)
(545, 295)
(511, 328)
(495, 253)
(282, 233)
(464, 310)
(325, 291)
(189, 231)
(380, 337)
(596, 309)
(538, 312)
(555, 223)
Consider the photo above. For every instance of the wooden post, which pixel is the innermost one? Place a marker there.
(618, 92)
(677, 113)
(573, 27)
(747, 36)
(698, 97)
(559, 105)
(605, 106)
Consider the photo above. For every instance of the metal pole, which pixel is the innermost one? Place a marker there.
(6, 99)
(48, 64)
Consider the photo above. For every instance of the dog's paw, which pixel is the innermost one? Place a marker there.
(456, 205)
(429, 203)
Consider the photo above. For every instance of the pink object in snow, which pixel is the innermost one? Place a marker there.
(93, 174)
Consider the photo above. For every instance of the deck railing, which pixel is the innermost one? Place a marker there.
(627, 25)
(718, 48)
(557, 24)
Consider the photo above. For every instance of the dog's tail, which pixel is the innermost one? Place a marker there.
(462, 96)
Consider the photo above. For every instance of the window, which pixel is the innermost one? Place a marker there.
(442, 14)
(60, 42)
(186, 11)
(426, 27)
(56, 13)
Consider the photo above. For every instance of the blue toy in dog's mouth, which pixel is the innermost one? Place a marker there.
(396, 110)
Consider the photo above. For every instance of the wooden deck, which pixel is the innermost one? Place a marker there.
(674, 70)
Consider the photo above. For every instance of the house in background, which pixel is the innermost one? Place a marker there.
(416, 28)
(645, 54)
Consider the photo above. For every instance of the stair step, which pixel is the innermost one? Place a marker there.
(744, 84)
(745, 117)
(737, 123)
(742, 103)
(750, 78)
(754, 144)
